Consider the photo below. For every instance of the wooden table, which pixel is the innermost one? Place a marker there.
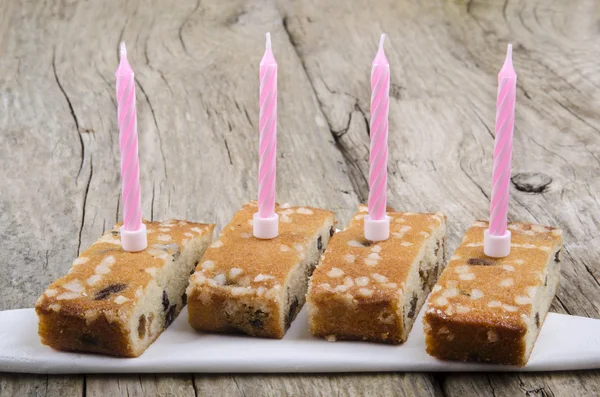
(196, 66)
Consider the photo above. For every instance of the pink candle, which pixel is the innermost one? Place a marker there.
(505, 120)
(128, 143)
(266, 222)
(268, 133)
(380, 103)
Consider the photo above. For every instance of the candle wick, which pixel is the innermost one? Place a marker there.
(268, 40)
(123, 50)
(509, 53)
(381, 42)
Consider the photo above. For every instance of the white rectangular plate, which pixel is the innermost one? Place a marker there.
(565, 343)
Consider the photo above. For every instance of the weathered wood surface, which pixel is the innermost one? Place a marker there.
(196, 64)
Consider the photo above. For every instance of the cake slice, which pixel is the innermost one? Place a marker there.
(373, 291)
(491, 310)
(117, 302)
(257, 287)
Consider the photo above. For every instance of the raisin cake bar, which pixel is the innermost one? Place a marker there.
(373, 291)
(117, 302)
(491, 310)
(245, 284)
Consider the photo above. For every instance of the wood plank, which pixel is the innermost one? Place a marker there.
(139, 385)
(581, 383)
(24, 385)
(196, 65)
(317, 385)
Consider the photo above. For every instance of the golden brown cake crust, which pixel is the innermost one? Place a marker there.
(385, 263)
(242, 269)
(267, 257)
(368, 278)
(104, 284)
(480, 300)
(105, 264)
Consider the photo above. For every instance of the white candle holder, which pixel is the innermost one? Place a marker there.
(134, 240)
(265, 228)
(496, 246)
(377, 230)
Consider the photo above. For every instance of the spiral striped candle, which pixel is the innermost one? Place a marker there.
(505, 120)
(380, 103)
(128, 143)
(268, 133)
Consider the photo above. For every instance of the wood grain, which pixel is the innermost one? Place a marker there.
(196, 64)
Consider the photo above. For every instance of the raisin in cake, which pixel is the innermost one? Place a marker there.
(117, 302)
(254, 286)
(491, 310)
(373, 291)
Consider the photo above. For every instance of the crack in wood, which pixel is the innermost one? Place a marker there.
(162, 76)
(437, 381)
(248, 116)
(356, 106)
(460, 163)
(578, 117)
(72, 111)
(237, 385)
(468, 6)
(504, 14)
(492, 389)
(562, 304)
(587, 268)
(184, 24)
(45, 265)
(536, 392)
(152, 203)
(85, 195)
(194, 385)
(355, 174)
(484, 124)
(228, 151)
(118, 206)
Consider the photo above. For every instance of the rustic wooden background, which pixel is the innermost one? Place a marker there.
(197, 67)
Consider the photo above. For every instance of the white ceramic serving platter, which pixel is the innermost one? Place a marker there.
(565, 342)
